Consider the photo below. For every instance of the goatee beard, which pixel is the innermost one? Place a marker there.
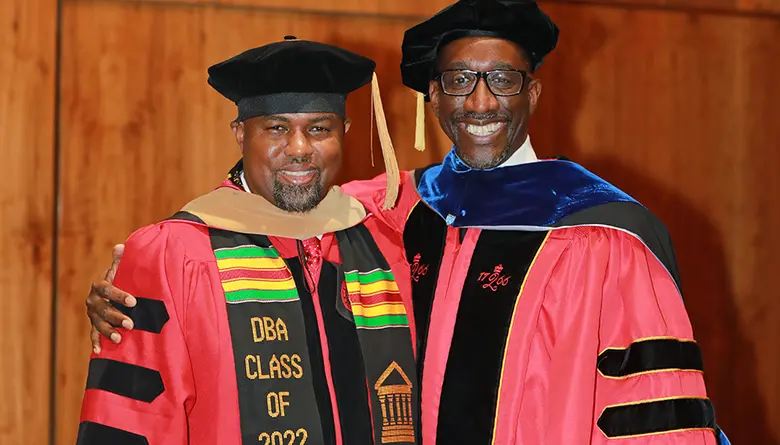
(484, 164)
(481, 163)
(298, 198)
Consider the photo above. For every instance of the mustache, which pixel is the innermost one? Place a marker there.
(299, 160)
(304, 160)
(480, 116)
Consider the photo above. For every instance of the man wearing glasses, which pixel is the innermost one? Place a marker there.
(547, 302)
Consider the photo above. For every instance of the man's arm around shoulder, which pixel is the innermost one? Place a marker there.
(371, 193)
(137, 392)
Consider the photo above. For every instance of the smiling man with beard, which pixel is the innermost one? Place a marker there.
(550, 310)
(547, 302)
(268, 310)
(489, 123)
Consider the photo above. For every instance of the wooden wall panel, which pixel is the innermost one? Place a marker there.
(142, 132)
(410, 8)
(422, 9)
(729, 7)
(27, 64)
(680, 110)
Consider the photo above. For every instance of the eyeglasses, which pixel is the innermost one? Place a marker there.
(499, 82)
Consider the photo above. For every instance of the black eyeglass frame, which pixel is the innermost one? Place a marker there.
(482, 75)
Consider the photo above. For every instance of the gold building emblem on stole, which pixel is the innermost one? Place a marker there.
(396, 403)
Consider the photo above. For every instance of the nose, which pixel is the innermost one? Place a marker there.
(481, 100)
(298, 145)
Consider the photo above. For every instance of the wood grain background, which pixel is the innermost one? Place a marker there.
(27, 121)
(675, 101)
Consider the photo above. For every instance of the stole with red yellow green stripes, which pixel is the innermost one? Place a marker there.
(276, 395)
(273, 369)
(385, 339)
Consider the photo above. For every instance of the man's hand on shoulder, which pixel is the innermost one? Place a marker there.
(103, 316)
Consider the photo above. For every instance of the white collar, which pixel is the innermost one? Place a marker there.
(244, 184)
(523, 155)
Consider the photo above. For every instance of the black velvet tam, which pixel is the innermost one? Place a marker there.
(291, 76)
(519, 21)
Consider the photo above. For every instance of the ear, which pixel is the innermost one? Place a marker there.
(238, 132)
(347, 124)
(534, 91)
(434, 94)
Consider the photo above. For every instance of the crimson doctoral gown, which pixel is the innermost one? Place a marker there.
(548, 310)
(237, 341)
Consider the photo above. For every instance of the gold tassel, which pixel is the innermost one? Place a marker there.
(371, 132)
(419, 129)
(388, 152)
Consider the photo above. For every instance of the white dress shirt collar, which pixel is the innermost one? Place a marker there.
(523, 155)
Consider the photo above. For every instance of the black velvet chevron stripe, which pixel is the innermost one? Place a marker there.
(651, 355)
(131, 381)
(657, 417)
(147, 315)
(91, 433)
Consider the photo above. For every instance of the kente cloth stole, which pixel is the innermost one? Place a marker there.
(276, 396)
(273, 369)
(377, 309)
